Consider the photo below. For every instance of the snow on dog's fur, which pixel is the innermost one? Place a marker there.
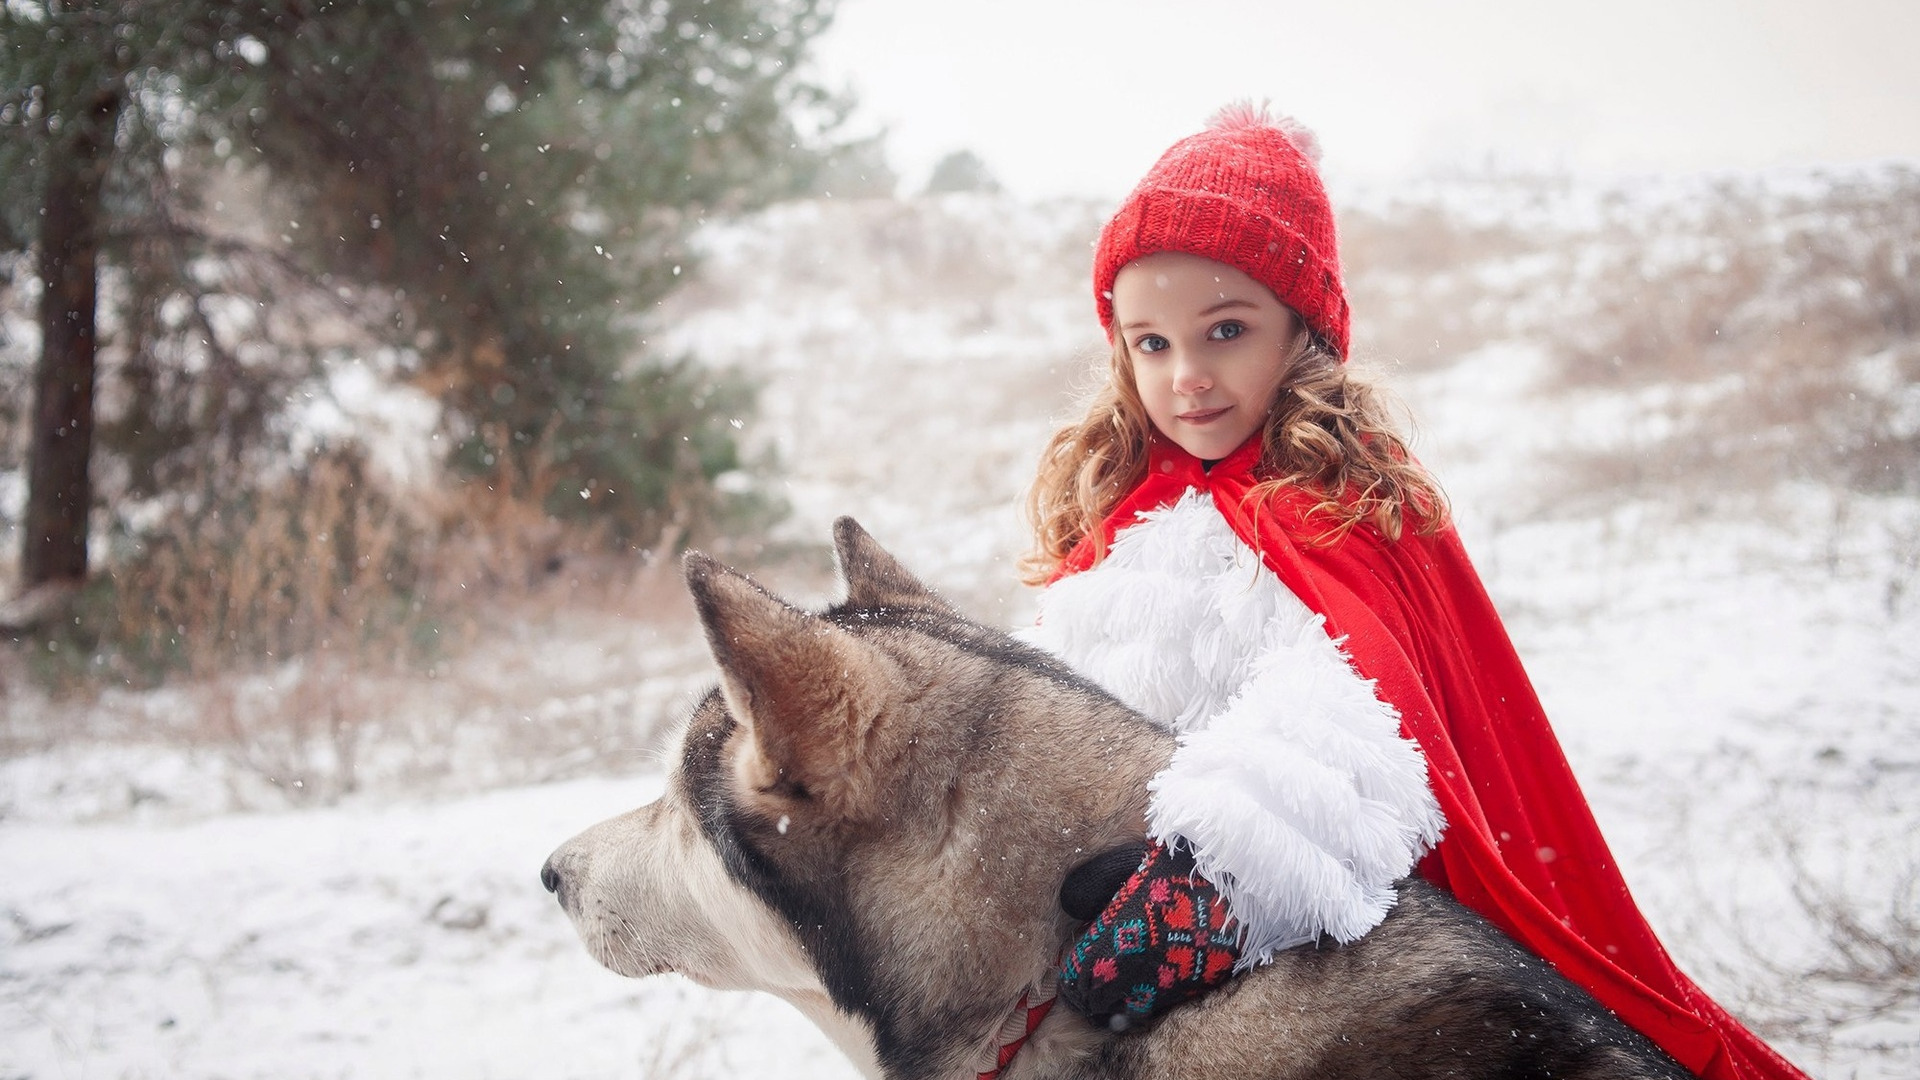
(876, 814)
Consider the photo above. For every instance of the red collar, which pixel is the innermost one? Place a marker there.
(1018, 1027)
(1170, 471)
(1165, 458)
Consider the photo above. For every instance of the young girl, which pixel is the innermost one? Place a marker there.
(1239, 545)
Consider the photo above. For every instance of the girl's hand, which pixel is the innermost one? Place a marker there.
(1164, 939)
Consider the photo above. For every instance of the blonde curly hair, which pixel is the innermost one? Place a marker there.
(1329, 432)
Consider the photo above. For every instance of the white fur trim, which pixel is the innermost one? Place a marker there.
(1292, 784)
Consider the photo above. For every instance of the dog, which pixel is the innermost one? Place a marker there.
(885, 812)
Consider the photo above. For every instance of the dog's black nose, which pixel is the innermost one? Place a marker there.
(550, 878)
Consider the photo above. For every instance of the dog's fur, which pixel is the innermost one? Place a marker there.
(875, 817)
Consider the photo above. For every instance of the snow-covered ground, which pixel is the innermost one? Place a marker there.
(1738, 686)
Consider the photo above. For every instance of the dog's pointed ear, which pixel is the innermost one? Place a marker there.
(875, 579)
(804, 688)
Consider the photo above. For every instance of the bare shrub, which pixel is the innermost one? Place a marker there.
(494, 537)
(1874, 951)
(1868, 970)
(1783, 332)
(692, 1050)
(319, 561)
(300, 729)
(268, 600)
(324, 634)
(1903, 539)
(1419, 283)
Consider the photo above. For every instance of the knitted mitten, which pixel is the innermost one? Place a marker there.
(1165, 938)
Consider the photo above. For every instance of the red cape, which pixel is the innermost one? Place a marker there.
(1521, 847)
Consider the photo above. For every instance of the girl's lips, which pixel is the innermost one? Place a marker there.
(1201, 416)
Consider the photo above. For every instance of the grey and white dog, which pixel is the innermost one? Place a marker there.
(883, 812)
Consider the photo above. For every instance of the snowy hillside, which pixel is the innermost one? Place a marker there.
(914, 355)
(1709, 557)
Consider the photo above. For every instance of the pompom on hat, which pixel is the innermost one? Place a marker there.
(1245, 192)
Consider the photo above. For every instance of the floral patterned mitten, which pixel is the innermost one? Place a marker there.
(1165, 938)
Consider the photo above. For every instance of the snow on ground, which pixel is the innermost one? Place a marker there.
(393, 940)
(1740, 695)
(914, 357)
(1738, 687)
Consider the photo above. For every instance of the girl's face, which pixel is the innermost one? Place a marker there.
(1208, 346)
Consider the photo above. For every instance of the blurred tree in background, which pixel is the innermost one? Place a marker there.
(498, 190)
(858, 169)
(961, 170)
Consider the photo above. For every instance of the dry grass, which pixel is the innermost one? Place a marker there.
(320, 562)
(326, 633)
(1417, 282)
(301, 733)
(1782, 333)
(1876, 952)
(695, 1050)
(1865, 983)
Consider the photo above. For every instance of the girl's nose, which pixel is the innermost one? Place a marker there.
(1189, 377)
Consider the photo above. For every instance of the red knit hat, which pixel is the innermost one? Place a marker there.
(1244, 192)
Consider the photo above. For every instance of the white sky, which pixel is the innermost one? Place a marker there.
(1079, 98)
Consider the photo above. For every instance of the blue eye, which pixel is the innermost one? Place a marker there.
(1150, 343)
(1227, 331)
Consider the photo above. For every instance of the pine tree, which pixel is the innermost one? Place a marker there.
(513, 178)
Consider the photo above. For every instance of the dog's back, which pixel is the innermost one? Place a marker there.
(1435, 991)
